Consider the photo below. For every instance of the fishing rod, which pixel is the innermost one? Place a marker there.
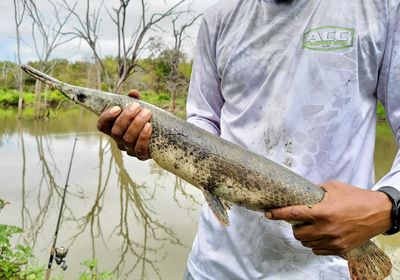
(59, 253)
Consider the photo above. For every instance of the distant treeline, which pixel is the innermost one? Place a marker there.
(151, 78)
(151, 74)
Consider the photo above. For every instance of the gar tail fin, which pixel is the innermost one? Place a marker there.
(218, 207)
(368, 262)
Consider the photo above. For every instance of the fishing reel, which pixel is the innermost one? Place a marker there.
(60, 254)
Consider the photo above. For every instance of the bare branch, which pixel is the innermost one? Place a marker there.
(47, 35)
(129, 53)
(174, 80)
(88, 30)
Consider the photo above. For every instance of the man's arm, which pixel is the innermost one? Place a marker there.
(349, 216)
(205, 99)
(389, 96)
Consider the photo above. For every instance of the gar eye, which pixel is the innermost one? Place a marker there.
(81, 97)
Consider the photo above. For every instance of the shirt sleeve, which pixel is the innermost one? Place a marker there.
(204, 99)
(389, 93)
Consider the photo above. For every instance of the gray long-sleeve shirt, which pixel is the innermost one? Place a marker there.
(297, 84)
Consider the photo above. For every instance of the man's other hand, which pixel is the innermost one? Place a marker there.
(129, 127)
(347, 218)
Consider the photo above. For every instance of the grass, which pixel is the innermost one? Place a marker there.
(380, 112)
(9, 100)
(163, 100)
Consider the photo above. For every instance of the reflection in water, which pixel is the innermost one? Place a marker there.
(47, 187)
(24, 212)
(144, 240)
(136, 218)
(92, 218)
(138, 198)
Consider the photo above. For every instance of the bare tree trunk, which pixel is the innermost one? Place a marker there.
(45, 111)
(173, 98)
(98, 75)
(37, 103)
(174, 77)
(21, 95)
(19, 12)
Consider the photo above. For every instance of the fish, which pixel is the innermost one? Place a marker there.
(225, 172)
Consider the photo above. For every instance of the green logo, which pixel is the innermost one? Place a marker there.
(328, 38)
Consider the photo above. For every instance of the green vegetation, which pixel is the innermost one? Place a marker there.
(162, 100)
(92, 272)
(380, 111)
(16, 261)
(9, 100)
(151, 79)
(152, 74)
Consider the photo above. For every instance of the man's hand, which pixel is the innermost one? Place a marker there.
(346, 218)
(130, 128)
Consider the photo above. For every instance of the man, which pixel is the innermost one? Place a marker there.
(295, 81)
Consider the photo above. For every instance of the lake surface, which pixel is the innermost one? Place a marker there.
(136, 219)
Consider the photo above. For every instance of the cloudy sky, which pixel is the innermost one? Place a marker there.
(76, 49)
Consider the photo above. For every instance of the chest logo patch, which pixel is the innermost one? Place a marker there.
(328, 38)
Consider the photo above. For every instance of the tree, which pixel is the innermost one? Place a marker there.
(88, 30)
(130, 42)
(176, 54)
(47, 36)
(19, 12)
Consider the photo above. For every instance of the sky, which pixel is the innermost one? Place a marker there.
(77, 49)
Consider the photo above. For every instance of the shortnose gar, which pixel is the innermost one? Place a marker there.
(223, 171)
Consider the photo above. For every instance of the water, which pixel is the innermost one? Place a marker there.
(136, 219)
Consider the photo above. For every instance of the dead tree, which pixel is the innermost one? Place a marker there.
(175, 81)
(88, 30)
(47, 36)
(19, 12)
(130, 41)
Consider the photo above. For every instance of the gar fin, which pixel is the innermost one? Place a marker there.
(227, 204)
(368, 262)
(218, 207)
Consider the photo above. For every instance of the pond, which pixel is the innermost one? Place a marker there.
(135, 218)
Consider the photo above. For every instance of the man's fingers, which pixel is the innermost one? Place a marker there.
(291, 213)
(142, 144)
(107, 119)
(324, 252)
(120, 145)
(124, 120)
(130, 128)
(325, 244)
(134, 130)
(312, 232)
(134, 93)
